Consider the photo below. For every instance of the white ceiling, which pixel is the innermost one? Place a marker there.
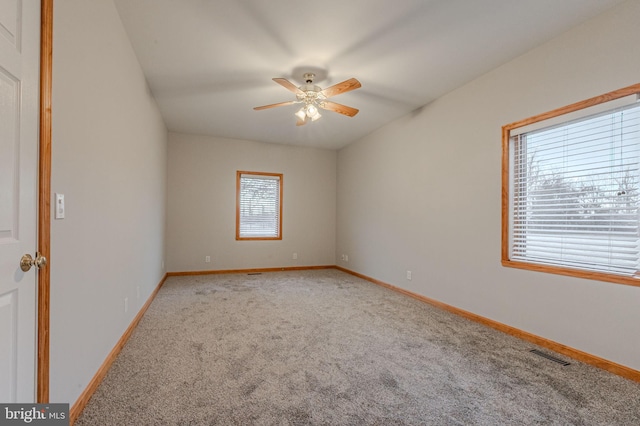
(209, 62)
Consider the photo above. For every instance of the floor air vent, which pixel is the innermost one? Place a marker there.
(549, 357)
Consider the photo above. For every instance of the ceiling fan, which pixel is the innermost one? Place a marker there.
(313, 98)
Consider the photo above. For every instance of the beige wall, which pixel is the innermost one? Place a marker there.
(202, 195)
(109, 160)
(423, 194)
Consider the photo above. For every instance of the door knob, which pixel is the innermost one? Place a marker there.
(27, 262)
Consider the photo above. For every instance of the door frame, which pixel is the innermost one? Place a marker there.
(44, 200)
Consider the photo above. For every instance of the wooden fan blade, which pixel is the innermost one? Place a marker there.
(345, 86)
(274, 105)
(288, 85)
(339, 108)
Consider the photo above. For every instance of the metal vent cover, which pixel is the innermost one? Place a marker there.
(549, 357)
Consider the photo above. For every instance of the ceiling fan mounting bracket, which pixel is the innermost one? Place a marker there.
(300, 72)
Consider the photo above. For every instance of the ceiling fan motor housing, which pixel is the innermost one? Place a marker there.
(310, 93)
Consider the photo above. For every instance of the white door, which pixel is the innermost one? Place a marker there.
(19, 105)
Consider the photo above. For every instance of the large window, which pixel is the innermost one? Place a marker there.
(571, 190)
(258, 206)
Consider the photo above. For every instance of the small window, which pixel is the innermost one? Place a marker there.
(571, 190)
(258, 206)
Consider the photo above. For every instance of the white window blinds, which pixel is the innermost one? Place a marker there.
(575, 191)
(259, 206)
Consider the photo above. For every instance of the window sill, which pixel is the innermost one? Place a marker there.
(598, 276)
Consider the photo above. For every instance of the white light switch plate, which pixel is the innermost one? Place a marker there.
(59, 214)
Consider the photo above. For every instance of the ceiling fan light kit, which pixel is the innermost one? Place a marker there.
(314, 98)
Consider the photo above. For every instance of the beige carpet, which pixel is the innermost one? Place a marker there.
(326, 348)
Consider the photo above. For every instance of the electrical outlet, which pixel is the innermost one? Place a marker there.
(162, 265)
(346, 257)
(126, 304)
(207, 259)
(409, 275)
(295, 256)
